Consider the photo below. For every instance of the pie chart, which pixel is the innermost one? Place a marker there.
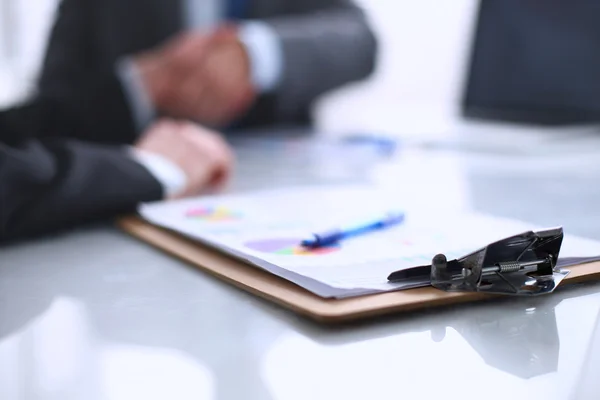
(288, 247)
(213, 214)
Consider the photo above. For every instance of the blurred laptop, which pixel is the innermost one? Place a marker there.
(535, 62)
(531, 78)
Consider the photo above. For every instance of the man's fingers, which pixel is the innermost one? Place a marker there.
(224, 32)
(216, 151)
(186, 51)
(203, 155)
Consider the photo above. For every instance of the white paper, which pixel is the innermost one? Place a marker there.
(265, 229)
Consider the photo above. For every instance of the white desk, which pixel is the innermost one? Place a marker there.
(95, 314)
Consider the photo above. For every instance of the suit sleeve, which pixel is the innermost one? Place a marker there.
(325, 45)
(75, 79)
(49, 185)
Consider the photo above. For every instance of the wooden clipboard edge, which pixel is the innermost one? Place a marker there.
(291, 296)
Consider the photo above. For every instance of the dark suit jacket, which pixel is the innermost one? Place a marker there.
(326, 43)
(60, 163)
(49, 183)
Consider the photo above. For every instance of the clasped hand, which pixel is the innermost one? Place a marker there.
(200, 76)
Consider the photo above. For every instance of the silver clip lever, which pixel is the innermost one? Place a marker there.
(521, 265)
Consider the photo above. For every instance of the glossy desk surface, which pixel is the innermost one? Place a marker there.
(95, 314)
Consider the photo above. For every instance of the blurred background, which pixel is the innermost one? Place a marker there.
(536, 54)
(416, 88)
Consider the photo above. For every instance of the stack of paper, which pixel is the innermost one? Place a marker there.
(265, 229)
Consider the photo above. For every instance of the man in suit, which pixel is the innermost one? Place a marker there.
(49, 182)
(114, 67)
(118, 64)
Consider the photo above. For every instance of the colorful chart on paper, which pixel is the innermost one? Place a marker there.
(288, 247)
(213, 214)
(266, 228)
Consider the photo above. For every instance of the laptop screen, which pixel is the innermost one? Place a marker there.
(535, 61)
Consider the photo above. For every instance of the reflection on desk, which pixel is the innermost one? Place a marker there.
(523, 342)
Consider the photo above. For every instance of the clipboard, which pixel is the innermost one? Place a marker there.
(290, 296)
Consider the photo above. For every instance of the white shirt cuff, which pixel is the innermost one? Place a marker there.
(139, 101)
(265, 52)
(169, 175)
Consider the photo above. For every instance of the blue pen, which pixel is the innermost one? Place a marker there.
(335, 235)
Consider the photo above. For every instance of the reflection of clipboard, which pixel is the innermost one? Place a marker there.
(299, 300)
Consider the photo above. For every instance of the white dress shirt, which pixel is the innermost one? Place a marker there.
(266, 65)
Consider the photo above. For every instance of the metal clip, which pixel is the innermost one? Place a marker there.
(521, 265)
